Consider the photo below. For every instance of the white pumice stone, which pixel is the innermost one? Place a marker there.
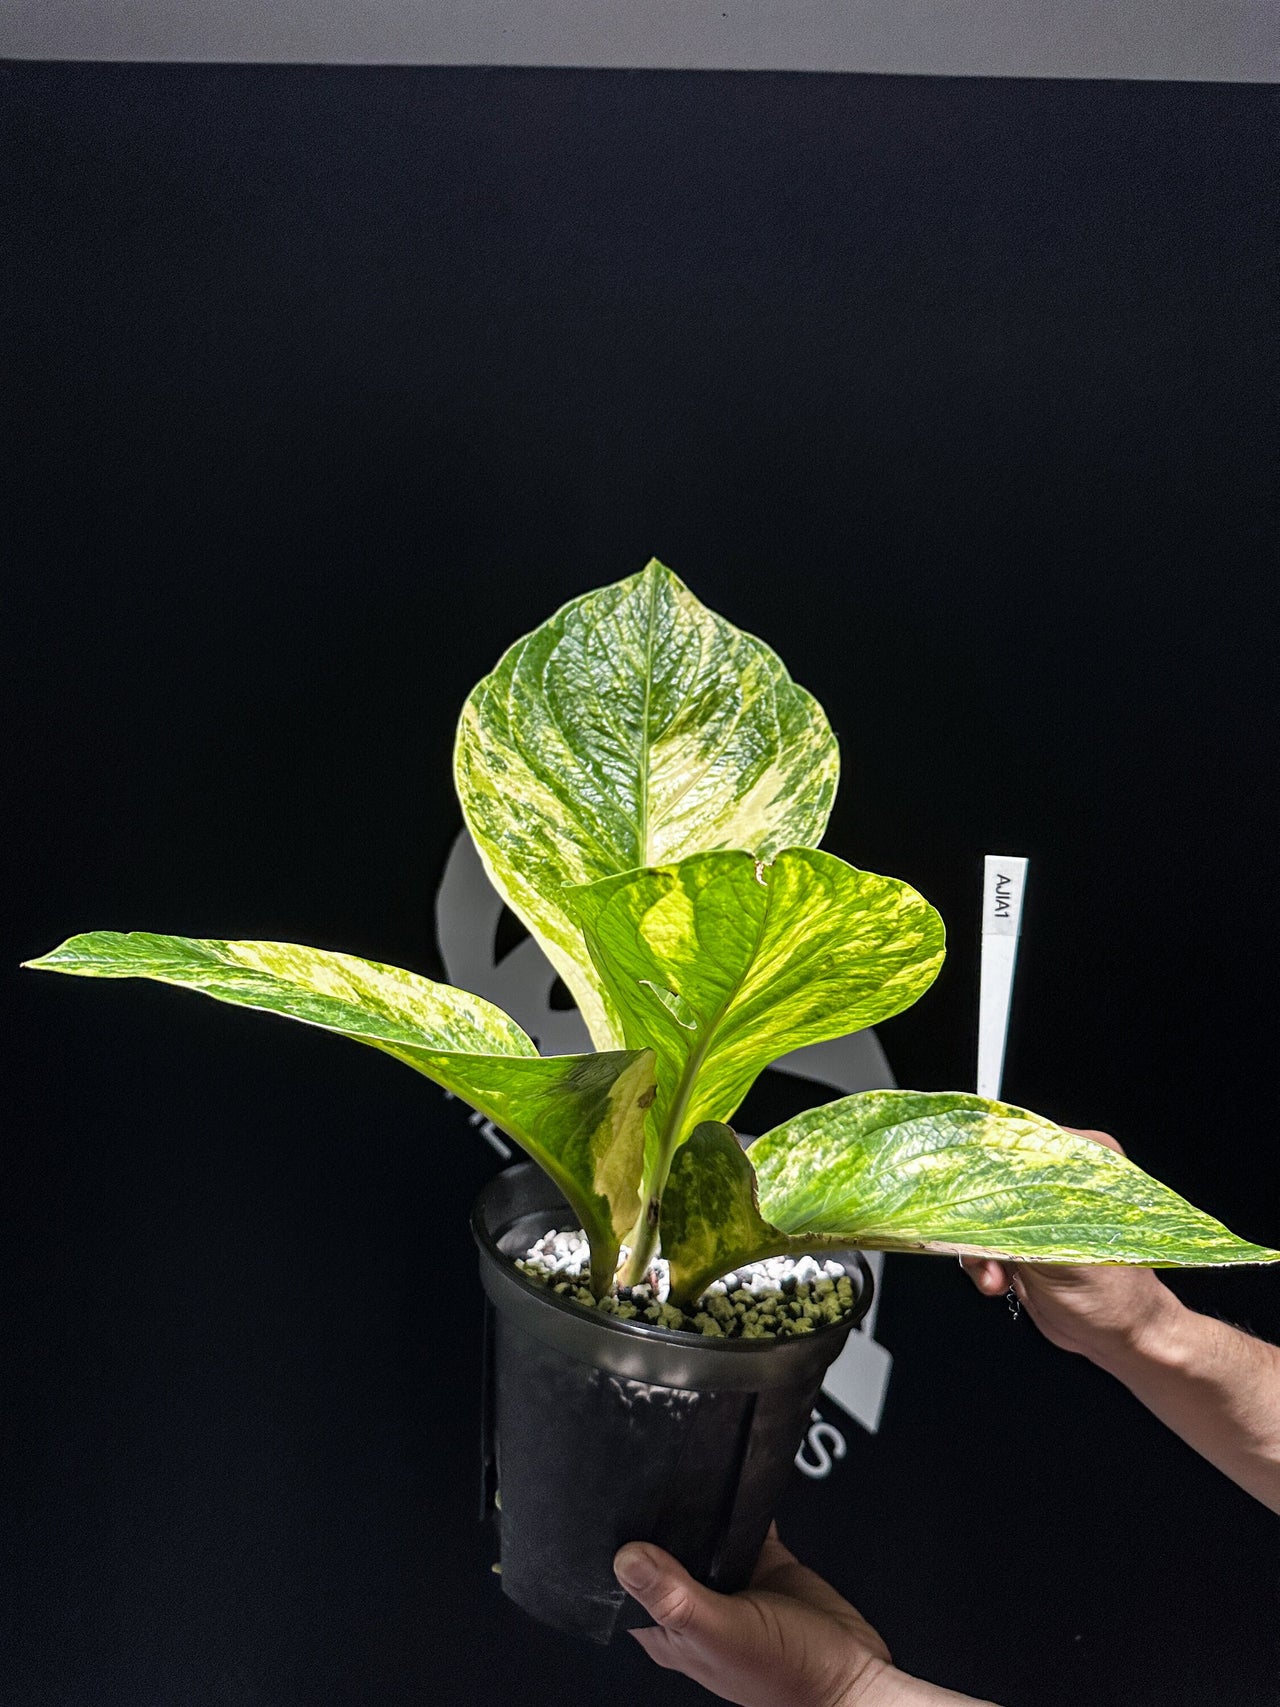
(751, 1302)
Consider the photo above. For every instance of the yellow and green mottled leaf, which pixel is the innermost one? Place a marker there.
(723, 964)
(942, 1171)
(633, 728)
(338, 992)
(711, 1220)
(581, 1117)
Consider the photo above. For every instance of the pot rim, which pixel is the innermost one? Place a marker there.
(681, 1338)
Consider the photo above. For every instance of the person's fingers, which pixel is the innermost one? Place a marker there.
(748, 1641)
(992, 1277)
(676, 1603)
(989, 1276)
(1104, 1138)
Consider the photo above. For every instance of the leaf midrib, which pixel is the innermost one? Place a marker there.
(688, 1081)
(646, 744)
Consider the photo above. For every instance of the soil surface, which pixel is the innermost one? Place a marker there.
(776, 1299)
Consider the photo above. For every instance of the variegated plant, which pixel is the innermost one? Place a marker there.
(647, 788)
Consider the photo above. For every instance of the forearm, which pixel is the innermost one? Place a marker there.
(1214, 1386)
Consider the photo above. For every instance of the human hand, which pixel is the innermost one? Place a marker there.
(1099, 1312)
(789, 1640)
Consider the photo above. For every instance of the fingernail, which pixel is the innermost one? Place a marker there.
(634, 1568)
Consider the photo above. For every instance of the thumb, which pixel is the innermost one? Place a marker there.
(670, 1595)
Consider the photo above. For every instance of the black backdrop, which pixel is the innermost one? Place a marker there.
(327, 384)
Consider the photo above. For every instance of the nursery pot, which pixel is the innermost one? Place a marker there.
(598, 1431)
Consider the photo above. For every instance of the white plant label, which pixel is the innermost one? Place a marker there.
(1004, 883)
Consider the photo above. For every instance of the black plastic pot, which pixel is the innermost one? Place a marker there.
(596, 1432)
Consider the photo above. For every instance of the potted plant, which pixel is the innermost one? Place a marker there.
(647, 787)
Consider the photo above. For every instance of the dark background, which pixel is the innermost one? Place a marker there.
(324, 386)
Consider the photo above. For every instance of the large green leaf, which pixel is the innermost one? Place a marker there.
(723, 964)
(941, 1171)
(711, 1220)
(633, 728)
(581, 1117)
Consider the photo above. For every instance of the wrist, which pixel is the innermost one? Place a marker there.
(868, 1686)
(884, 1685)
(879, 1684)
(1153, 1337)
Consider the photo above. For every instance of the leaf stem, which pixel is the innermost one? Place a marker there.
(603, 1263)
(643, 1241)
(644, 1235)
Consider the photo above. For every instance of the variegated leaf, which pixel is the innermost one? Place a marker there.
(723, 964)
(633, 728)
(581, 1117)
(711, 1220)
(942, 1171)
